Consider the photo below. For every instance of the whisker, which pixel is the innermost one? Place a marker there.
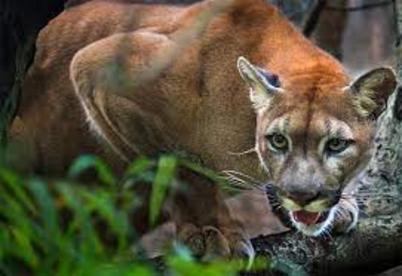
(236, 187)
(264, 166)
(236, 183)
(252, 150)
(337, 212)
(360, 204)
(239, 186)
(239, 182)
(233, 172)
(249, 184)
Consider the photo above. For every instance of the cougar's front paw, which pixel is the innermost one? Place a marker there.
(209, 242)
(346, 216)
(190, 235)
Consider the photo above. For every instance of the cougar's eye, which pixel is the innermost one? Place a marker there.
(278, 142)
(337, 145)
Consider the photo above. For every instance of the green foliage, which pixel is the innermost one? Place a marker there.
(63, 227)
(165, 174)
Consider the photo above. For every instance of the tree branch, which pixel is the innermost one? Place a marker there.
(312, 19)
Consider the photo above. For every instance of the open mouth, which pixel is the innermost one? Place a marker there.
(309, 218)
(309, 223)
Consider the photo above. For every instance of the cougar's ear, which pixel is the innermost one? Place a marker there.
(263, 85)
(371, 91)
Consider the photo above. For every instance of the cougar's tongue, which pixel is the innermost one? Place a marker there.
(305, 217)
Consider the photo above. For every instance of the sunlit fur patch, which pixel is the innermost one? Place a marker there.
(318, 229)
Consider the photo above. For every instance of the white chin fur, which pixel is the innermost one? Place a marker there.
(315, 230)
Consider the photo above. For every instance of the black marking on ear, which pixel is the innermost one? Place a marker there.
(271, 78)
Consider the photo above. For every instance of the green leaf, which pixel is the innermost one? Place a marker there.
(82, 228)
(212, 175)
(141, 170)
(49, 214)
(102, 202)
(85, 162)
(140, 165)
(25, 249)
(180, 266)
(121, 269)
(15, 183)
(165, 174)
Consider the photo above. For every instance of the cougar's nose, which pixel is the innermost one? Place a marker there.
(302, 198)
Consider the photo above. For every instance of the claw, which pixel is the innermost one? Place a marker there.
(209, 243)
(193, 238)
(216, 243)
(349, 214)
(245, 250)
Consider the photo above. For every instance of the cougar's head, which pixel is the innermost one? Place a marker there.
(314, 134)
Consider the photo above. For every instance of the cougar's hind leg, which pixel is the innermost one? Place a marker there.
(116, 80)
(111, 78)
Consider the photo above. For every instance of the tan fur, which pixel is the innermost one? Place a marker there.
(147, 87)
